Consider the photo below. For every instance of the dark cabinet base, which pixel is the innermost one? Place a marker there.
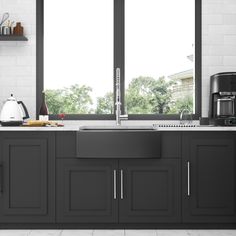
(151, 191)
(118, 226)
(85, 191)
(209, 181)
(27, 177)
(43, 185)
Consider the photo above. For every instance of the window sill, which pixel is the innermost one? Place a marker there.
(131, 117)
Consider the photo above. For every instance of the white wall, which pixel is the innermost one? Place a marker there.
(17, 60)
(218, 42)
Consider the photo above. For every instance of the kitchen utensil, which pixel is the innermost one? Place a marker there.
(222, 106)
(4, 18)
(12, 23)
(6, 30)
(13, 112)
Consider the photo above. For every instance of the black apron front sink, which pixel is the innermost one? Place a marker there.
(118, 144)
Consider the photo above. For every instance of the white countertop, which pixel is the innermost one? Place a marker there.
(76, 128)
(75, 125)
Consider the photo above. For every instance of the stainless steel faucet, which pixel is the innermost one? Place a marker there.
(118, 103)
(186, 117)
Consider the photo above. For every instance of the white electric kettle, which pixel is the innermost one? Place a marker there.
(13, 112)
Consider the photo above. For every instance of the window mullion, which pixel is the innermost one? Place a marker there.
(119, 47)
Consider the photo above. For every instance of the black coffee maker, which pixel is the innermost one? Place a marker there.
(222, 109)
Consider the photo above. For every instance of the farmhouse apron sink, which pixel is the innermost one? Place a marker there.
(118, 143)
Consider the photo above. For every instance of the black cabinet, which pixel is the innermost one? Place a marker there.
(192, 180)
(150, 191)
(86, 191)
(146, 191)
(209, 177)
(27, 177)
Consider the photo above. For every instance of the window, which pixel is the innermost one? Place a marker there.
(155, 43)
(78, 56)
(159, 43)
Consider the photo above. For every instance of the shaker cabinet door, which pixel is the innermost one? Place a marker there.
(150, 191)
(86, 191)
(209, 183)
(27, 179)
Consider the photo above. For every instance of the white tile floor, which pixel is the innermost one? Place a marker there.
(117, 232)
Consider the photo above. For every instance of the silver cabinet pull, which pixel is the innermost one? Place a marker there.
(1, 179)
(114, 184)
(189, 193)
(121, 185)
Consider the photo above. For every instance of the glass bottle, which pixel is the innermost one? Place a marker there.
(43, 112)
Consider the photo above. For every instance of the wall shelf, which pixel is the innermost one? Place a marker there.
(12, 38)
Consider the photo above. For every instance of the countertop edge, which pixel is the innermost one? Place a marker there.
(72, 128)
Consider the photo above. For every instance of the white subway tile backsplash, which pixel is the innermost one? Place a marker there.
(206, 50)
(7, 60)
(208, 60)
(25, 60)
(15, 71)
(18, 59)
(218, 42)
(229, 39)
(223, 50)
(213, 19)
(229, 60)
(205, 30)
(10, 81)
(211, 8)
(209, 39)
(15, 49)
(229, 19)
(221, 29)
(228, 6)
(213, 1)
(216, 69)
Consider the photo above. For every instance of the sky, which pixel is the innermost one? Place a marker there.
(78, 41)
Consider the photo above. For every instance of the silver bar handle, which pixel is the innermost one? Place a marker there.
(189, 192)
(121, 185)
(1, 179)
(114, 184)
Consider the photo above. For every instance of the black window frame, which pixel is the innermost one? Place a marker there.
(119, 62)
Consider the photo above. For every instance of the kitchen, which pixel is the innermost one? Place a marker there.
(21, 73)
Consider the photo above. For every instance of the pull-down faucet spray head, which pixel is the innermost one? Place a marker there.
(118, 102)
